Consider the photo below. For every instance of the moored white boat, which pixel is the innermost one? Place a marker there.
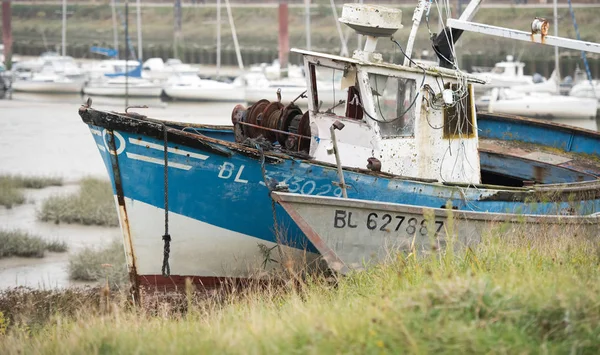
(156, 69)
(586, 89)
(193, 88)
(48, 83)
(541, 105)
(508, 73)
(121, 86)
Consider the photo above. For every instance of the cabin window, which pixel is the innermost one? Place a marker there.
(394, 100)
(498, 70)
(458, 118)
(327, 84)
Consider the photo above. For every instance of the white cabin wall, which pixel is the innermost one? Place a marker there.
(355, 141)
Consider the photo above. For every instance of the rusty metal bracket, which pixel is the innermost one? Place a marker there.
(114, 159)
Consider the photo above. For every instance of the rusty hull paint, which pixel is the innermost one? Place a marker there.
(124, 219)
(333, 261)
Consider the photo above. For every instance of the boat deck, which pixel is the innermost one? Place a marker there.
(538, 163)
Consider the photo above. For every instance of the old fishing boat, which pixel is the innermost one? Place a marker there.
(194, 204)
(353, 234)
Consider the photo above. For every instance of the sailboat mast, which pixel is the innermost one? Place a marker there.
(64, 28)
(307, 20)
(218, 36)
(556, 65)
(115, 28)
(139, 29)
(236, 45)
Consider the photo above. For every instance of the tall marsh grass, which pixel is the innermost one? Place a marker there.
(92, 264)
(11, 185)
(93, 204)
(19, 243)
(511, 294)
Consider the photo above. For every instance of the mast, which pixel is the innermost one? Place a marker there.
(113, 6)
(556, 64)
(7, 32)
(218, 37)
(177, 27)
(139, 29)
(234, 35)
(64, 28)
(307, 22)
(284, 40)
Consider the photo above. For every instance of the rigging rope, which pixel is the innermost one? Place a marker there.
(166, 269)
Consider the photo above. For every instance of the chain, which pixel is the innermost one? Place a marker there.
(166, 269)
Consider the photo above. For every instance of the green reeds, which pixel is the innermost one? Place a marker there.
(511, 293)
(93, 264)
(93, 204)
(19, 243)
(11, 185)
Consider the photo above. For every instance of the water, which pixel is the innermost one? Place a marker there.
(43, 135)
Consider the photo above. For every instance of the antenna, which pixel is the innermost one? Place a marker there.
(373, 22)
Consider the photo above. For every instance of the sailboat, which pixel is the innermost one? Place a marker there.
(50, 73)
(126, 83)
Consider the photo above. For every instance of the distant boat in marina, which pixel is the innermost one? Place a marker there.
(508, 73)
(539, 104)
(155, 69)
(193, 88)
(48, 82)
(122, 86)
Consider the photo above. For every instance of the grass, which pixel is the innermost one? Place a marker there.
(97, 264)
(515, 294)
(11, 185)
(19, 243)
(93, 204)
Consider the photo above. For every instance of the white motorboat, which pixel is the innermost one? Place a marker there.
(99, 69)
(48, 82)
(50, 62)
(191, 87)
(508, 73)
(157, 70)
(540, 105)
(258, 87)
(123, 86)
(551, 86)
(586, 89)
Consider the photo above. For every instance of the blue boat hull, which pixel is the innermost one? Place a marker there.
(222, 219)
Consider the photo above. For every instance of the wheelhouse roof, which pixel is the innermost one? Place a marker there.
(433, 71)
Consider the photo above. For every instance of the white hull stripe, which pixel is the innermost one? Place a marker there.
(101, 147)
(171, 150)
(96, 132)
(158, 161)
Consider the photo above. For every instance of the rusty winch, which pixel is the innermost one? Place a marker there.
(287, 125)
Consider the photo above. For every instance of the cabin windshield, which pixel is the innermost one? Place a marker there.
(331, 98)
(394, 100)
